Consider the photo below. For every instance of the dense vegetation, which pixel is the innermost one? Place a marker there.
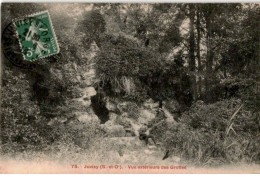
(202, 57)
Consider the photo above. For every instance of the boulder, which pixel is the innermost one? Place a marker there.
(127, 106)
(126, 123)
(146, 116)
(90, 91)
(148, 112)
(89, 77)
(83, 101)
(83, 95)
(87, 118)
(112, 116)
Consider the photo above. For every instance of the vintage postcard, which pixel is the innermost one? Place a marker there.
(148, 88)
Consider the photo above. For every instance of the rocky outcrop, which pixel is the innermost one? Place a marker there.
(87, 118)
(135, 118)
(125, 118)
(146, 116)
(85, 96)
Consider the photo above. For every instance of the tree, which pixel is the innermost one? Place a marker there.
(93, 26)
(192, 50)
(198, 28)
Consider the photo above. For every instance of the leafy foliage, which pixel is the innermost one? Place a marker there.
(144, 51)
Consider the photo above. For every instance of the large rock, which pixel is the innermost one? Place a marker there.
(148, 112)
(85, 95)
(90, 91)
(112, 116)
(89, 77)
(83, 101)
(127, 106)
(87, 118)
(146, 116)
(124, 122)
(127, 124)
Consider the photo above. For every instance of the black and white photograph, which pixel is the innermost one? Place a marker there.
(130, 88)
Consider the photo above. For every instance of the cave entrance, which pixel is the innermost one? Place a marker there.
(99, 107)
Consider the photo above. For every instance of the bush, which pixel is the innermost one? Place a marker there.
(120, 56)
(127, 69)
(21, 121)
(121, 62)
(201, 138)
(93, 25)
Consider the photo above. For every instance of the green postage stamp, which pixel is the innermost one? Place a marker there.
(36, 36)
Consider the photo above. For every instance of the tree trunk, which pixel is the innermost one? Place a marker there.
(209, 54)
(198, 49)
(191, 52)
